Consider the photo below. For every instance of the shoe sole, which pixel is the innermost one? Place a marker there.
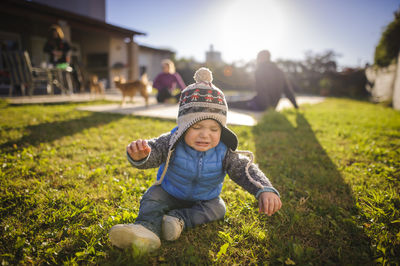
(170, 232)
(123, 236)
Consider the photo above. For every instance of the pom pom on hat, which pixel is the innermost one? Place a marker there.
(203, 75)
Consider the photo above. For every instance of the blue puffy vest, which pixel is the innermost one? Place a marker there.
(194, 175)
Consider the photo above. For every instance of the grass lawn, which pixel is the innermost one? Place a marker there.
(65, 181)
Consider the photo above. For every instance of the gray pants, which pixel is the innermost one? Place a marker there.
(156, 202)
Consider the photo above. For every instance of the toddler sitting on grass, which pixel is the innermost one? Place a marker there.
(193, 160)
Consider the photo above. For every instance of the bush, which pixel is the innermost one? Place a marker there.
(349, 83)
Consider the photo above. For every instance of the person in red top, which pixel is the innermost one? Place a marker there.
(167, 81)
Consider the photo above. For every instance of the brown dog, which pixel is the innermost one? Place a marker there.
(130, 88)
(96, 87)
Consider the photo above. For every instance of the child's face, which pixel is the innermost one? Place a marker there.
(203, 135)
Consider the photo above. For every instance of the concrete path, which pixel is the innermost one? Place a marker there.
(164, 111)
(170, 111)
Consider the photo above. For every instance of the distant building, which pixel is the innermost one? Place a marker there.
(213, 57)
(150, 60)
(100, 48)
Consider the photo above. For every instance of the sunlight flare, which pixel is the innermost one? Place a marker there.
(250, 26)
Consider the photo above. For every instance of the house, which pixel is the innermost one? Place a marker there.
(150, 59)
(100, 48)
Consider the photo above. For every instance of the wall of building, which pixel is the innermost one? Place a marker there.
(385, 84)
(150, 60)
(38, 56)
(95, 55)
(396, 87)
(148, 64)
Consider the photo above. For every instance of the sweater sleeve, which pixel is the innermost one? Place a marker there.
(235, 165)
(157, 82)
(179, 81)
(158, 154)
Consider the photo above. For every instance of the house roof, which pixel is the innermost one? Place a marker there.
(36, 11)
(163, 50)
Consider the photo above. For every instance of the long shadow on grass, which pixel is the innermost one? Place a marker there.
(316, 223)
(48, 132)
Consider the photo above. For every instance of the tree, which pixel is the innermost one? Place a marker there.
(306, 75)
(389, 45)
(321, 63)
(225, 76)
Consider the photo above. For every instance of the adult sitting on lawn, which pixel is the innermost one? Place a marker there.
(167, 81)
(193, 160)
(271, 82)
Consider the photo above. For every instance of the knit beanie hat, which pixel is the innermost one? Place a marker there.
(199, 101)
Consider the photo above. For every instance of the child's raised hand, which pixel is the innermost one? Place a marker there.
(269, 203)
(138, 149)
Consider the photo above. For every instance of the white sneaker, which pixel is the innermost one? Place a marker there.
(171, 227)
(126, 235)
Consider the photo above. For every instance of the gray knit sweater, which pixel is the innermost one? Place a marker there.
(234, 164)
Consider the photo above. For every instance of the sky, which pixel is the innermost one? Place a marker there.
(239, 29)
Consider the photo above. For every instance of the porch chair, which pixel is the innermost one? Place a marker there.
(23, 74)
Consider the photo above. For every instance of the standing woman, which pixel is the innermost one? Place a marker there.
(57, 47)
(167, 81)
(59, 51)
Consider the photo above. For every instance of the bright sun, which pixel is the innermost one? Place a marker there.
(250, 26)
